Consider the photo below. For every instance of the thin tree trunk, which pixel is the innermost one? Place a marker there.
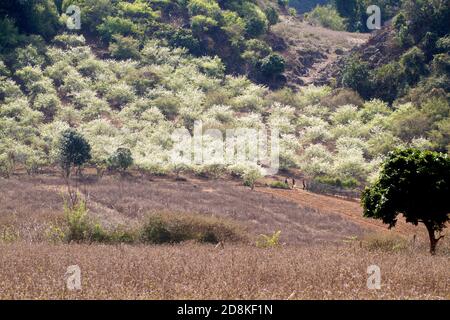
(433, 240)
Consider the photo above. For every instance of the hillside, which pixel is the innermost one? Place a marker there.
(224, 149)
(309, 49)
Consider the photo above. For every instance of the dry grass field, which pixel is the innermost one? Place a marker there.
(202, 272)
(326, 246)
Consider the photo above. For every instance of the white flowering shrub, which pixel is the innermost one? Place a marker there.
(120, 94)
(312, 95)
(67, 40)
(422, 143)
(316, 160)
(316, 134)
(48, 104)
(344, 115)
(372, 109)
(350, 163)
(9, 90)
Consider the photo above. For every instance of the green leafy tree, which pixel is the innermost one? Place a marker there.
(416, 184)
(272, 65)
(74, 150)
(356, 76)
(121, 160)
(272, 15)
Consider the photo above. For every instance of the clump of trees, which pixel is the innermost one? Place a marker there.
(415, 184)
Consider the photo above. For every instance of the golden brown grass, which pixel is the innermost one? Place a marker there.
(326, 256)
(192, 271)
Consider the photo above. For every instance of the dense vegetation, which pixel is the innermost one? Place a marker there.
(418, 63)
(149, 67)
(233, 30)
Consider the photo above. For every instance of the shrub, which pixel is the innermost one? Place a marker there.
(279, 185)
(356, 76)
(116, 25)
(201, 24)
(388, 81)
(155, 231)
(124, 47)
(413, 62)
(337, 182)
(250, 177)
(272, 65)
(385, 242)
(256, 22)
(272, 15)
(67, 40)
(342, 96)
(120, 160)
(327, 17)
(176, 228)
(74, 150)
(268, 241)
(78, 225)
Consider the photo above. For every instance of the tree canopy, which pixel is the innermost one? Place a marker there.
(413, 183)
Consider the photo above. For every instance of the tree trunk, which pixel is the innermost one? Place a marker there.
(433, 239)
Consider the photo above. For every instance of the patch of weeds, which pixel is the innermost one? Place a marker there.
(268, 241)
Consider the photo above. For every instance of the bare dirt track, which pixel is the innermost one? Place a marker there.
(310, 49)
(348, 209)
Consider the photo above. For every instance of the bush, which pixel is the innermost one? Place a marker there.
(279, 185)
(272, 15)
(327, 17)
(155, 231)
(256, 22)
(271, 241)
(116, 25)
(120, 160)
(272, 65)
(337, 182)
(385, 242)
(388, 82)
(124, 47)
(413, 62)
(250, 177)
(356, 76)
(172, 228)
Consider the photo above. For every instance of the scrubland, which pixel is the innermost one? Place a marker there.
(322, 254)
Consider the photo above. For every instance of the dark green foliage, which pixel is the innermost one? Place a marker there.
(413, 183)
(272, 65)
(272, 15)
(413, 62)
(387, 82)
(155, 231)
(120, 160)
(279, 185)
(184, 38)
(356, 76)
(74, 150)
(339, 183)
(124, 47)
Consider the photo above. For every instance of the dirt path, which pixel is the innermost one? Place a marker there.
(347, 209)
(310, 49)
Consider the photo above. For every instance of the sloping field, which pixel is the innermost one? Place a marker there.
(348, 209)
(28, 205)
